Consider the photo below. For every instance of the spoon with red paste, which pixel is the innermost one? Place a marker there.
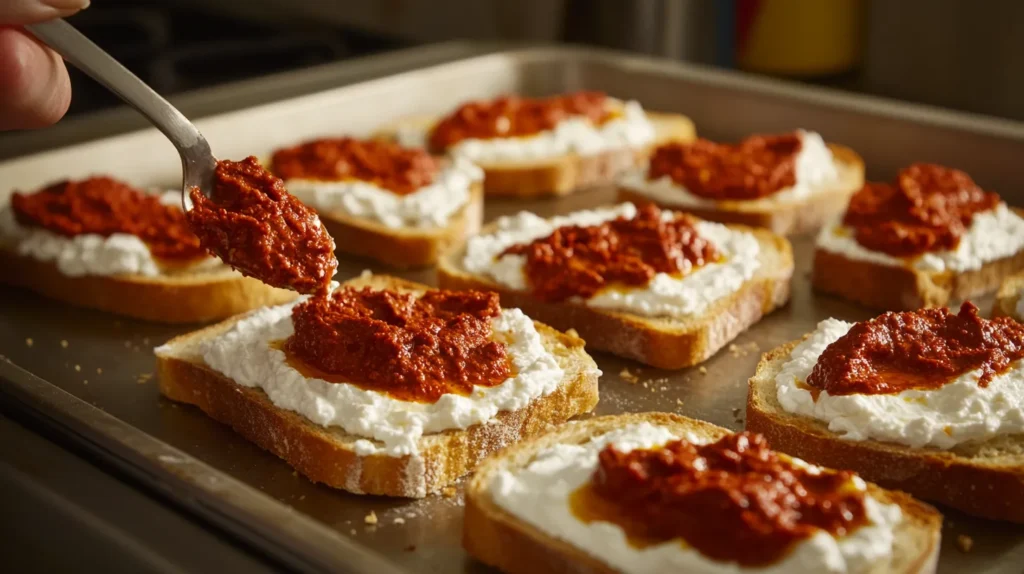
(239, 211)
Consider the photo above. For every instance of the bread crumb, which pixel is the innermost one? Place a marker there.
(737, 415)
(28, 341)
(85, 382)
(127, 344)
(143, 377)
(703, 370)
(449, 491)
(353, 533)
(733, 348)
(99, 371)
(965, 543)
(78, 368)
(370, 518)
(679, 402)
(399, 520)
(64, 343)
(629, 377)
(145, 340)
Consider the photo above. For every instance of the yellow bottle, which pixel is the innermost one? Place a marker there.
(798, 37)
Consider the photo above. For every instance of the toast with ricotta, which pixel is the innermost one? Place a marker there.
(513, 543)
(119, 272)
(663, 341)
(930, 238)
(330, 455)
(893, 287)
(983, 478)
(395, 205)
(1009, 297)
(782, 213)
(174, 297)
(564, 174)
(405, 247)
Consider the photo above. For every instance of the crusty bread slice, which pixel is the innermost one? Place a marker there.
(1007, 297)
(984, 479)
(405, 247)
(328, 455)
(568, 173)
(782, 217)
(174, 298)
(663, 342)
(891, 288)
(496, 537)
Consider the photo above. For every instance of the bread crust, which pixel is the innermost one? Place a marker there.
(328, 455)
(661, 343)
(499, 539)
(984, 479)
(792, 218)
(167, 299)
(407, 247)
(560, 176)
(571, 172)
(1008, 296)
(894, 288)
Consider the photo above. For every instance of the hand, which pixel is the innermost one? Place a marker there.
(34, 87)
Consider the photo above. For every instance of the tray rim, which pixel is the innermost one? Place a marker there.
(464, 52)
(215, 497)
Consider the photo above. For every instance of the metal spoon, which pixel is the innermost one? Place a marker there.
(197, 161)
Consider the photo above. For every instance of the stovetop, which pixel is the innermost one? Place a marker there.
(176, 48)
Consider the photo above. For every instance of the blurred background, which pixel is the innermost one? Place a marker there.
(953, 53)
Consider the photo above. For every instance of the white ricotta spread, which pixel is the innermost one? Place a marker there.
(539, 494)
(92, 254)
(390, 426)
(429, 206)
(958, 412)
(815, 170)
(992, 235)
(664, 296)
(576, 135)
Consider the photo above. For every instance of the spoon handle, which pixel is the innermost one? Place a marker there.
(91, 59)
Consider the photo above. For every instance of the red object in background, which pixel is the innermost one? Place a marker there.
(746, 12)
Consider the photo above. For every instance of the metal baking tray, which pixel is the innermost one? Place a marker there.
(88, 374)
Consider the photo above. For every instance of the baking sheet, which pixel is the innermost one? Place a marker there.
(107, 361)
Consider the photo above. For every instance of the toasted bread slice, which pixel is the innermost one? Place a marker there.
(662, 342)
(1008, 296)
(565, 174)
(405, 247)
(328, 455)
(895, 288)
(783, 217)
(174, 298)
(496, 537)
(984, 479)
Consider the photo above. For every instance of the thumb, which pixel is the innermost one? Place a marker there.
(20, 12)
